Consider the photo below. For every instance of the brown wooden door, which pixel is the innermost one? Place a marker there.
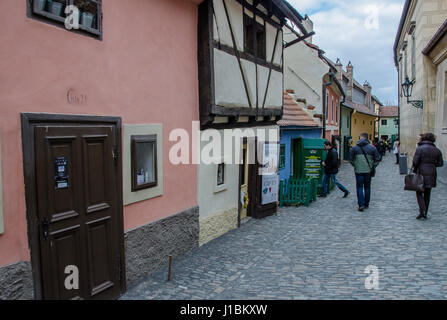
(78, 210)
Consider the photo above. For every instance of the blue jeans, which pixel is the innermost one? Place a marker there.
(333, 177)
(363, 181)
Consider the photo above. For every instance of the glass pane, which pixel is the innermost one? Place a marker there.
(145, 169)
(88, 13)
(56, 7)
(220, 174)
(260, 42)
(249, 37)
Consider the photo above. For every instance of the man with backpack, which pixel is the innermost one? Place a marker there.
(331, 170)
(364, 157)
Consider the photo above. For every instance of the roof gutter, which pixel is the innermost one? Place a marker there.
(399, 31)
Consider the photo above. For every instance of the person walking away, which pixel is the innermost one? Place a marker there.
(396, 150)
(364, 157)
(425, 161)
(389, 145)
(381, 148)
(331, 169)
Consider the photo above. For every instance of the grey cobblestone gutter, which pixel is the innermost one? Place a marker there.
(442, 173)
(321, 252)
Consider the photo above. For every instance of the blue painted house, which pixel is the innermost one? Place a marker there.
(295, 125)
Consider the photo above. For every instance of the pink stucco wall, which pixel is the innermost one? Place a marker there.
(144, 70)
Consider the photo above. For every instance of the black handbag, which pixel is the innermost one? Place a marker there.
(373, 169)
(414, 182)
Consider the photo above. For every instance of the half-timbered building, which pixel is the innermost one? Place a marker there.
(240, 54)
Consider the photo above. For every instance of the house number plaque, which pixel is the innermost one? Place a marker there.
(74, 97)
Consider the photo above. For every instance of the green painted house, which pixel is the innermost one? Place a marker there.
(388, 127)
(345, 131)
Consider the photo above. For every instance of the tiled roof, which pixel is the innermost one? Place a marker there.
(294, 115)
(360, 108)
(385, 112)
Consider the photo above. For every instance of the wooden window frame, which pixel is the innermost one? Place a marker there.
(223, 175)
(255, 43)
(282, 156)
(135, 139)
(332, 110)
(47, 17)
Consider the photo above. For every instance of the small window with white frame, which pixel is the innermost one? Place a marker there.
(220, 177)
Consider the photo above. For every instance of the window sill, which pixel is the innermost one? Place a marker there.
(221, 188)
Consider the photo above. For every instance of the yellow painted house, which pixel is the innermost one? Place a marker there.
(360, 100)
(363, 120)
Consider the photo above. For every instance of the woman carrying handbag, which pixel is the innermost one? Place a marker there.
(425, 161)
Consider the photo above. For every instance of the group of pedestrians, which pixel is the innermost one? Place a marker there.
(365, 157)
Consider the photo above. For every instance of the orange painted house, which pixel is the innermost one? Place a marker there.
(85, 117)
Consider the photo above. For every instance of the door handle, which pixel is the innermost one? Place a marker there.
(45, 227)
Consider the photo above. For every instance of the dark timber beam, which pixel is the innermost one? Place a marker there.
(291, 43)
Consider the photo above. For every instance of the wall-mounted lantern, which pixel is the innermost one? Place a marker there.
(396, 121)
(407, 88)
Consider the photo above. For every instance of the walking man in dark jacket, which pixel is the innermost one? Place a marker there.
(364, 157)
(331, 170)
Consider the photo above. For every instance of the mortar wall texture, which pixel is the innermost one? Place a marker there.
(216, 225)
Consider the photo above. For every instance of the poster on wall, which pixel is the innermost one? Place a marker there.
(312, 166)
(269, 173)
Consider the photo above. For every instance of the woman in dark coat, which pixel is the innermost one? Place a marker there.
(425, 161)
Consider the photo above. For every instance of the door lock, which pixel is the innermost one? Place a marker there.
(45, 227)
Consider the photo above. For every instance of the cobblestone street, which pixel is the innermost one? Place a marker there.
(321, 252)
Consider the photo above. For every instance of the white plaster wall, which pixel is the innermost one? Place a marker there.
(232, 93)
(306, 79)
(212, 202)
(270, 44)
(275, 91)
(250, 76)
(222, 30)
(228, 93)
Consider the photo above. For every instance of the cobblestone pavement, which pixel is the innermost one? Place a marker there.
(321, 252)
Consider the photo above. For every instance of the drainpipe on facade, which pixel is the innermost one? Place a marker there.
(325, 84)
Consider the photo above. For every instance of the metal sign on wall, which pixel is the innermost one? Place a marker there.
(269, 171)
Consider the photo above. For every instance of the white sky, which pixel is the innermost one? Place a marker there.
(360, 31)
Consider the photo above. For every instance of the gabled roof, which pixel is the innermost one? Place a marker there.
(401, 26)
(388, 112)
(377, 100)
(290, 12)
(294, 115)
(361, 108)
